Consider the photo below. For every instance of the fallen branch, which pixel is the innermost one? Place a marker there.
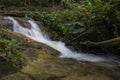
(108, 43)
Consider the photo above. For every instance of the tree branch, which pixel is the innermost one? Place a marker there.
(108, 43)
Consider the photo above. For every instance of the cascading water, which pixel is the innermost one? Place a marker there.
(35, 33)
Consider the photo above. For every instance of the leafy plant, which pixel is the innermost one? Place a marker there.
(58, 20)
(11, 53)
(103, 15)
(8, 3)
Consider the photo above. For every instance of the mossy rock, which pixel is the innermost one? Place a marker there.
(49, 67)
(88, 77)
(17, 76)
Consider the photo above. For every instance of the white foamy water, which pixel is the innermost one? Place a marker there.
(35, 33)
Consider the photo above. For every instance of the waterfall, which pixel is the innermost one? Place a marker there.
(35, 33)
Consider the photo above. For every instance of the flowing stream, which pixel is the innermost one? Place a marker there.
(35, 33)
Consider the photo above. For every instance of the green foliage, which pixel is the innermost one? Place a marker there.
(97, 11)
(8, 3)
(104, 15)
(58, 21)
(11, 53)
(2, 7)
(21, 3)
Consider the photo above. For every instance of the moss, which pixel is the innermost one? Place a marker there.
(49, 67)
(88, 77)
(17, 76)
(46, 66)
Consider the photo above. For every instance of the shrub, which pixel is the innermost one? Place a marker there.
(8, 3)
(58, 20)
(12, 53)
(104, 15)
